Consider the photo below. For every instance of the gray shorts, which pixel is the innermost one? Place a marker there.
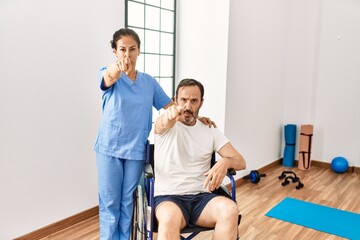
(190, 205)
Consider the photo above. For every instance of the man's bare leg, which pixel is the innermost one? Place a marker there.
(171, 221)
(221, 213)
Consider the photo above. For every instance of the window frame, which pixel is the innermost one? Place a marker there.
(143, 28)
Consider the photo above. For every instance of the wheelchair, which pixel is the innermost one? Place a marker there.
(143, 220)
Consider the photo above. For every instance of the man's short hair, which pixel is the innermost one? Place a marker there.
(190, 82)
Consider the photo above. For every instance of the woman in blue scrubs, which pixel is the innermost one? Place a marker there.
(128, 97)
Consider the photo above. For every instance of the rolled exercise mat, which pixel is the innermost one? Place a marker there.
(290, 143)
(306, 133)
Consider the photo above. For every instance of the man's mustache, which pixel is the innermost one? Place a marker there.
(188, 111)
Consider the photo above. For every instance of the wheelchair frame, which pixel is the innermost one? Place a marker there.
(143, 211)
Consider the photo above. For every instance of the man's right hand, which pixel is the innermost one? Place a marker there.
(168, 119)
(174, 112)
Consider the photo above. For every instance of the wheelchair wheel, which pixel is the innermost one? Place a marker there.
(138, 229)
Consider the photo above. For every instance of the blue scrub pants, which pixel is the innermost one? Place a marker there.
(117, 180)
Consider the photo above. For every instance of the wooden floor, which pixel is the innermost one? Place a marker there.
(322, 186)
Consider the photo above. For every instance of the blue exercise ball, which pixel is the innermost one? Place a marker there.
(339, 165)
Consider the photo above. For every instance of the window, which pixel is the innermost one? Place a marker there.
(154, 21)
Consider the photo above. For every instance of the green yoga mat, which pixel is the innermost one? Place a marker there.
(319, 217)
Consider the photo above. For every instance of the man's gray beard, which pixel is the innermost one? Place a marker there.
(189, 121)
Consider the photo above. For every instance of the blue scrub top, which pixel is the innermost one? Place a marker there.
(127, 115)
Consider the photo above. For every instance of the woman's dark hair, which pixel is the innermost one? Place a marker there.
(122, 33)
(190, 82)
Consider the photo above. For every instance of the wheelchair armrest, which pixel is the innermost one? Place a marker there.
(231, 171)
(149, 172)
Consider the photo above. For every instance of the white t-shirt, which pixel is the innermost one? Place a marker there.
(183, 155)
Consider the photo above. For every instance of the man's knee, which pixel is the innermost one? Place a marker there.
(227, 211)
(169, 214)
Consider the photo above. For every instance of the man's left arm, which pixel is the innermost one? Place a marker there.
(230, 158)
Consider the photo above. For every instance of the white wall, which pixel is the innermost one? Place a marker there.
(323, 79)
(202, 35)
(294, 62)
(337, 106)
(254, 96)
(50, 106)
(300, 68)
